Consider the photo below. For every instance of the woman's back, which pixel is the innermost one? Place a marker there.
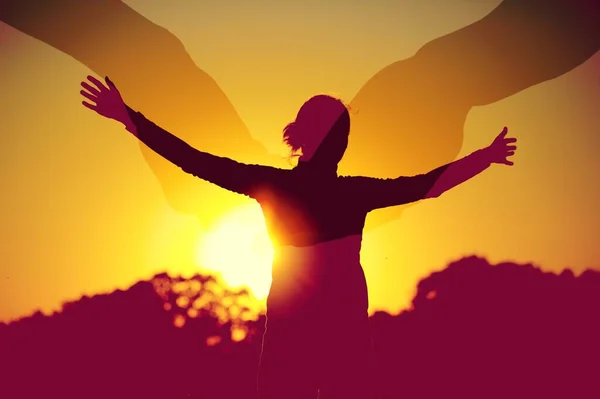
(305, 207)
(316, 228)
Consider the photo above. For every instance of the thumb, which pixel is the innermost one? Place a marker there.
(110, 84)
(503, 133)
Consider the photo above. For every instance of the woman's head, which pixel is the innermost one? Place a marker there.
(323, 124)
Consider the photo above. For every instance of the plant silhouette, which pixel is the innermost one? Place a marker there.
(469, 340)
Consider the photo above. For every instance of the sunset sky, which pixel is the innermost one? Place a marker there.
(82, 212)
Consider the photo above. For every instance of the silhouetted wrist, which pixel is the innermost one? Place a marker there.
(127, 119)
(487, 154)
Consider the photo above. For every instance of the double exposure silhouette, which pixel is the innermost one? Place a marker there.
(317, 333)
(410, 114)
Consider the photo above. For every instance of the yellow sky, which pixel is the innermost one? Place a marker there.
(82, 212)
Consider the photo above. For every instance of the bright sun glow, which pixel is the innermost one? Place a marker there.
(240, 250)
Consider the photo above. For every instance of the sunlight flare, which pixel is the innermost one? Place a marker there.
(239, 249)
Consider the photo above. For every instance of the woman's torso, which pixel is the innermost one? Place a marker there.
(316, 229)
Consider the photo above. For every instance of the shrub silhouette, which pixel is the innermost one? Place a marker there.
(475, 330)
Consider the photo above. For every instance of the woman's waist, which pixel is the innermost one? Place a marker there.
(344, 250)
(327, 276)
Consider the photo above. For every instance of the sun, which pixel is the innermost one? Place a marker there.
(239, 250)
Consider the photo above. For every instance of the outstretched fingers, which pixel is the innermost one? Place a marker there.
(510, 151)
(100, 86)
(94, 91)
(88, 105)
(509, 142)
(89, 96)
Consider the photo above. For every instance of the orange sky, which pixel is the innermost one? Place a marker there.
(82, 212)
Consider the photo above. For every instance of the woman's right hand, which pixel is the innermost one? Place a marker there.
(106, 100)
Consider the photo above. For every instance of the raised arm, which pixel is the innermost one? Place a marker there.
(519, 44)
(157, 75)
(381, 193)
(153, 68)
(224, 172)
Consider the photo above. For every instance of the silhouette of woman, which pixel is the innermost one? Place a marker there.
(317, 337)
